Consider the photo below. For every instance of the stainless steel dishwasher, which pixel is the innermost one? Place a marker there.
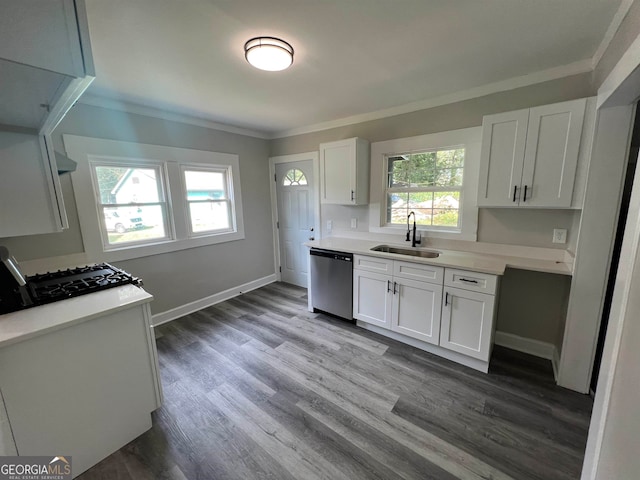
(332, 282)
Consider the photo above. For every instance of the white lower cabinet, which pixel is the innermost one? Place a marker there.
(86, 389)
(451, 309)
(416, 310)
(404, 305)
(371, 298)
(467, 322)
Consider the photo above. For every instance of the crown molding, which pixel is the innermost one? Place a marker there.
(583, 66)
(611, 31)
(128, 107)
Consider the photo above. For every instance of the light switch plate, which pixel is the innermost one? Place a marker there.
(559, 235)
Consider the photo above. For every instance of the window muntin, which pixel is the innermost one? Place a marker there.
(294, 177)
(209, 199)
(428, 183)
(132, 205)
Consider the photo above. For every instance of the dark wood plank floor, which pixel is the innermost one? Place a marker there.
(258, 387)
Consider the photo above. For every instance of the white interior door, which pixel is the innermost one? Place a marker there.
(296, 218)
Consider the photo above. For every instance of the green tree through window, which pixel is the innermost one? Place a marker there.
(428, 183)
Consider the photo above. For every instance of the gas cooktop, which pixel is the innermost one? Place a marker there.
(54, 286)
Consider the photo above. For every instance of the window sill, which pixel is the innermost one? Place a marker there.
(165, 246)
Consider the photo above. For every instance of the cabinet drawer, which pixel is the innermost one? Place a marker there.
(418, 271)
(373, 264)
(473, 281)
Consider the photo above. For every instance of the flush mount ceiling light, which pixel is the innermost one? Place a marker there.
(268, 53)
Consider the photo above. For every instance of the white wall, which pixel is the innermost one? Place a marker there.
(180, 277)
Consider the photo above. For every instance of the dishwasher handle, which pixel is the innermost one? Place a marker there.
(320, 252)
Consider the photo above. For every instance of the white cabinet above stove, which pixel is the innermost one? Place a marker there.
(45, 61)
(45, 66)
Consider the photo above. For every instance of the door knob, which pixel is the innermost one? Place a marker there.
(312, 238)
(311, 229)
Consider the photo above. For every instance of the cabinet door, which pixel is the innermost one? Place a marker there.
(337, 172)
(30, 201)
(104, 382)
(501, 160)
(43, 34)
(372, 298)
(551, 154)
(416, 309)
(467, 322)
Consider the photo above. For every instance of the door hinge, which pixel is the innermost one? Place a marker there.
(275, 179)
(280, 269)
(277, 224)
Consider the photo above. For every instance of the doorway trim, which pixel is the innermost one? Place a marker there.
(620, 89)
(296, 157)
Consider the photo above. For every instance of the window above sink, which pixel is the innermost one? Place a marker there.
(434, 175)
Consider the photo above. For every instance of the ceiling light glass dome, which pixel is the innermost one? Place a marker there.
(268, 53)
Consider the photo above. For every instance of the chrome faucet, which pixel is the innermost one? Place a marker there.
(413, 239)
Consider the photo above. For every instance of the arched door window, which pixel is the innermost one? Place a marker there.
(294, 177)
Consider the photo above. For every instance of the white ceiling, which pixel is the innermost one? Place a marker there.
(352, 57)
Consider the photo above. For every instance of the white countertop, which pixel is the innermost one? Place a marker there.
(32, 322)
(474, 261)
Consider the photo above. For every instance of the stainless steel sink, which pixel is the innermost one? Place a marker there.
(406, 251)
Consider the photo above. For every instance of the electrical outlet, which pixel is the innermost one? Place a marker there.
(354, 223)
(329, 225)
(559, 235)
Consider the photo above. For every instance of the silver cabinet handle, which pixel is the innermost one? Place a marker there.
(394, 288)
(468, 281)
(446, 299)
(388, 286)
(352, 195)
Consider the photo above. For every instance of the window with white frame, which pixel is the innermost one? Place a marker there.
(209, 199)
(428, 183)
(132, 205)
(136, 199)
(434, 175)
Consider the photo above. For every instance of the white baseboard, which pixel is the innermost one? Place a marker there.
(186, 309)
(527, 345)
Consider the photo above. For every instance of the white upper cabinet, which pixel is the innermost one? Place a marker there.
(42, 34)
(529, 157)
(45, 65)
(502, 156)
(30, 198)
(45, 61)
(344, 172)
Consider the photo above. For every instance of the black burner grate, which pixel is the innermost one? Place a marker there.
(54, 286)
